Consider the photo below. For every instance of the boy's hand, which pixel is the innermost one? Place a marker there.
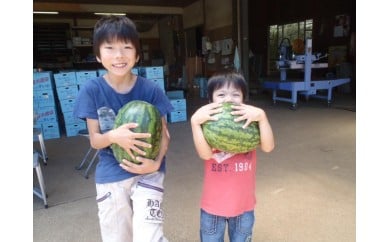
(205, 113)
(146, 166)
(248, 113)
(128, 140)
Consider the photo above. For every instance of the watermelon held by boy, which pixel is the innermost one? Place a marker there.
(229, 136)
(148, 119)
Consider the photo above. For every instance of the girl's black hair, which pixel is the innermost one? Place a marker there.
(220, 79)
(110, 28)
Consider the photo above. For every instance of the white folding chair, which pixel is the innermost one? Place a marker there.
(85, 133)
(41, 191)
(43, 154)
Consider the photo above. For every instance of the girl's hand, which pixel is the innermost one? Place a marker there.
(206, 113)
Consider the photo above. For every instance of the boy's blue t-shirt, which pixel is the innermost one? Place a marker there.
(97, 100)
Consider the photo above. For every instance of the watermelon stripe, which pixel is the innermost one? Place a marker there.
(229, 136)
(148, 119)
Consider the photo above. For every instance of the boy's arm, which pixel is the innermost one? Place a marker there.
(202, 147)
(122, 136)
(251, 113)
(149, 165)
(202, 115)
(164, 144)
(267, 143)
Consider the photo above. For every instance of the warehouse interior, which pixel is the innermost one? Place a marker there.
(196, 38)
(306, 187)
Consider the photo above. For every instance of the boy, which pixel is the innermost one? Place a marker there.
(129, 196)
(228, 194)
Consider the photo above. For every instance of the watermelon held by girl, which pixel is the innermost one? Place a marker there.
(148, 119)
(229, 136)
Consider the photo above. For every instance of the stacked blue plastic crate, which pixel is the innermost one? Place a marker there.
(179, 113)
(83, 76)
(67, 91)
(154, 73)
(101, 72)
(44, 105)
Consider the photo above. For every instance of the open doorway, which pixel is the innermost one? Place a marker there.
(194, 65)
(193, 41)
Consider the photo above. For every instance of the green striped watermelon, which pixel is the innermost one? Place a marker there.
(229, 136)
(148, 119)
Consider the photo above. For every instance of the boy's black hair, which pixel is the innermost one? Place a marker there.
(220, 79)
(110, 28)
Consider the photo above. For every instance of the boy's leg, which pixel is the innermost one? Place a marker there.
(115, 211)
(240, 227)
(147, 196)
(212, 227)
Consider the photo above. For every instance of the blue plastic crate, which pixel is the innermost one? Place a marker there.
(160, 83)
(69, 118)
(45, 114)
(151, 72)
(73, 129)
(65, 79)
(67, 92)
(67, 105)
(179, 104)
(83, 76)
(177, 116)
(178, 94)
(50, 130)
(42, 80)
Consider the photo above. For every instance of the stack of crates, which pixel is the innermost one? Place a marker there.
(67, 91)
(83, 76)
(154, 73)
(44, 105)
(179, 113)
(101, 72)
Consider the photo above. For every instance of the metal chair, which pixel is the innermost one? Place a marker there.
(85, 133)
(42, 154)
(41, 191)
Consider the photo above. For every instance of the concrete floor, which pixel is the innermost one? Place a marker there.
(306, 187)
